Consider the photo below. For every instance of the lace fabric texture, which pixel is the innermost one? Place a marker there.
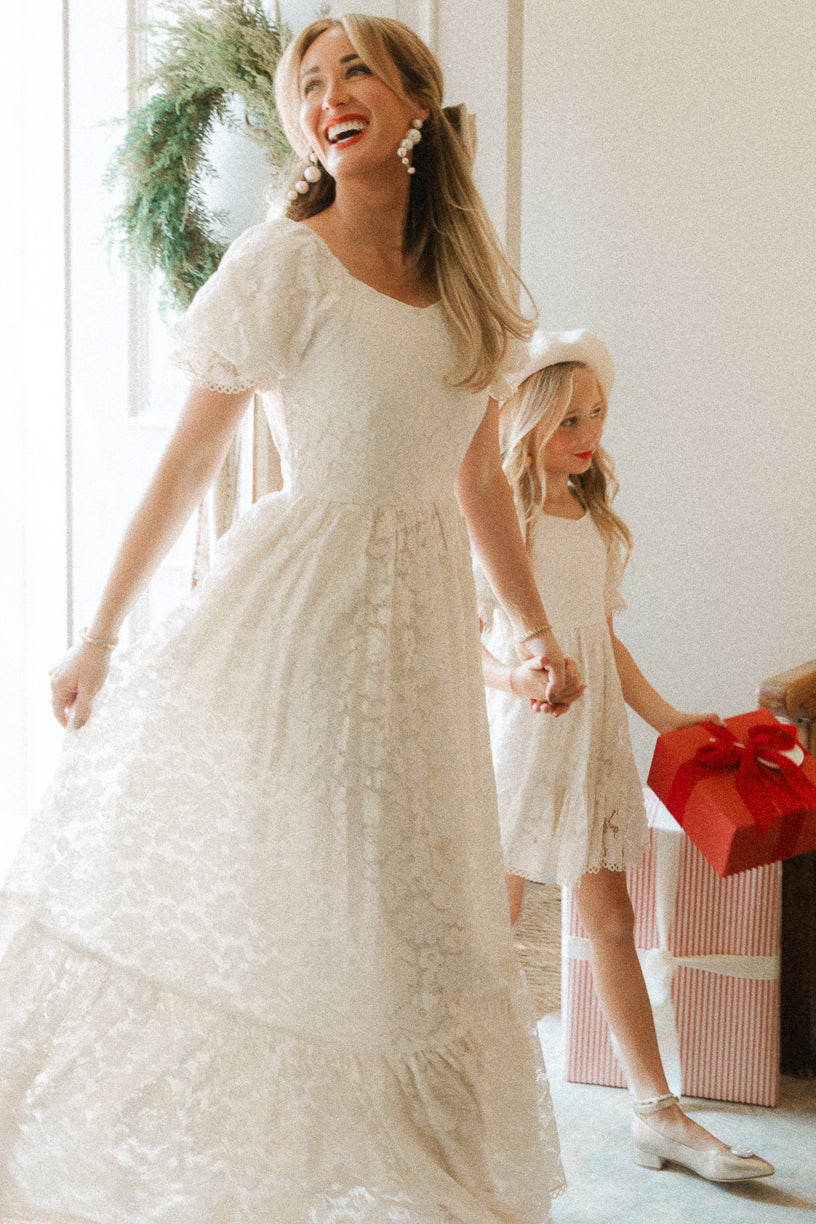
(570, 800)
(255, 961)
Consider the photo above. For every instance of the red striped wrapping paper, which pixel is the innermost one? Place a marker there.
(710, 953)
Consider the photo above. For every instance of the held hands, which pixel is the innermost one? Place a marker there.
(75, 681)
(562, 681)
(531, 679)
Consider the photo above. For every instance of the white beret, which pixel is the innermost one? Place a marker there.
(551, 348)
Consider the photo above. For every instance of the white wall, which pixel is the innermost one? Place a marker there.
(668, 205)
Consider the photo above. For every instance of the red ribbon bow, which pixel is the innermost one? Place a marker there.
(763, 788)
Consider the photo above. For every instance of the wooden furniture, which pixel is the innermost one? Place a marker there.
(791, 696)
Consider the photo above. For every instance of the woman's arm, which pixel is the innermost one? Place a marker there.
(645, 700)
(187, 468)
(487, 504)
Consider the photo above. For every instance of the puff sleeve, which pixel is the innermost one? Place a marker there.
(506, 379)
(249, 325)
(613, 600)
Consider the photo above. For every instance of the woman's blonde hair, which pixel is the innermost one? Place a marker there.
(543, 400)
(448, 231)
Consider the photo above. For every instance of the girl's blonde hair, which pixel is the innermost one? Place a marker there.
(544, 399)
(448, 231)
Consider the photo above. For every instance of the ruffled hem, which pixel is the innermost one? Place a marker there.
(570, 877)
(216, 374)
(122, 1102)
(580, 841)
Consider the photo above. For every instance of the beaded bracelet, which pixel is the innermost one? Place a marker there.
(104, 643)
(532, 633)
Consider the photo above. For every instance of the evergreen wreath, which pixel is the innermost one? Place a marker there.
(209, 52)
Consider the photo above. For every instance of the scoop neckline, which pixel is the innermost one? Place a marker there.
(564, 518)
(387, 296)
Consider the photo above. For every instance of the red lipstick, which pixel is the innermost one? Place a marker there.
(338, 123)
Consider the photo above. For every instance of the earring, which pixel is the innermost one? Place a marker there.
(412, 137)
(312, 174)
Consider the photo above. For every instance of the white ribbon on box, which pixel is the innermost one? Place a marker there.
(659, 965)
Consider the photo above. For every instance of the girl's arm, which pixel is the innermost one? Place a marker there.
(187, 468)
(528, 679)
(487, 504)
(645, 700)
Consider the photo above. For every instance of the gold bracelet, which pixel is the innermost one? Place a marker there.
(104, 643)
(533, 633)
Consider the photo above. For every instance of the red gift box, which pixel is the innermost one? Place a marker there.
(745, 794)
(709, 949)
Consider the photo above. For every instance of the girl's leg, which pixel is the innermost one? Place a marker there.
(606, 913)
(515, 895)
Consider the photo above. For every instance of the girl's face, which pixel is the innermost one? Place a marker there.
(351, 118)
(570, 448)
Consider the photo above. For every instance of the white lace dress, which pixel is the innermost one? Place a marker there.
(256, 963)
(570, 799)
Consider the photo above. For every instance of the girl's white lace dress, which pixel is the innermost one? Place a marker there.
(570, 800)
(256, 962)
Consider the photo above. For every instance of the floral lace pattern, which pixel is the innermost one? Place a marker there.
(255, 961)
(570, 800)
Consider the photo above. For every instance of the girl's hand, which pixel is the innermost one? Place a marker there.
(75, 681)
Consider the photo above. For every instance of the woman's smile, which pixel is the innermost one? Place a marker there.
(346, 130)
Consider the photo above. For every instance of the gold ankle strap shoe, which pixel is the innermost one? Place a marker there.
(723, 1164)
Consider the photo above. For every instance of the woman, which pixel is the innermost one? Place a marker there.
(254, 969)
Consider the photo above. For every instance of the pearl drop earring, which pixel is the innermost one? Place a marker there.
(412, 137)
(312, 174)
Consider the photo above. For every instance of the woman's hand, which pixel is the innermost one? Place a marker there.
(75, 681)
(564, 681)
(534, 673)
(530, 679)
(545, 647)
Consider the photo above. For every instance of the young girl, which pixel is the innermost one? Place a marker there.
(570, 800)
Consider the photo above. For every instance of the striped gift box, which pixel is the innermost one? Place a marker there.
(709, 948)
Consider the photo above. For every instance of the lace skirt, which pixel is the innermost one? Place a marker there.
(256, 962)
